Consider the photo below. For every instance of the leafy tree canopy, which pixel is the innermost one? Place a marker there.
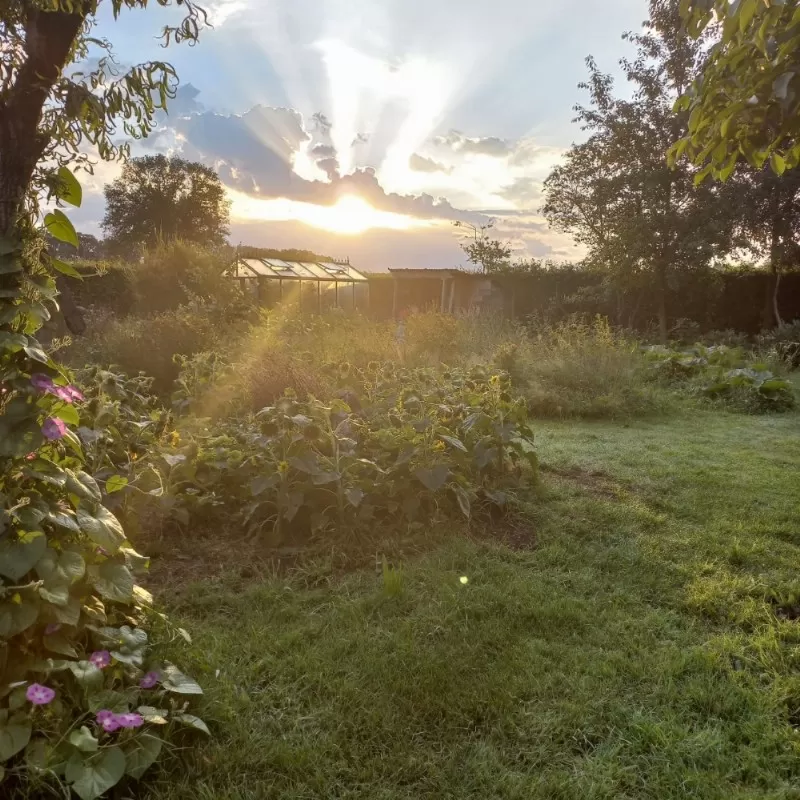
(165, 199)
(745, 104)
(491, 255)
(284, 255)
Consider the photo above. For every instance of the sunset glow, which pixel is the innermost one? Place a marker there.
(351, 215)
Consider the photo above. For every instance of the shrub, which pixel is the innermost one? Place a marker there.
(86, 700)
(583, 369)
(149, 343)
(783, 343)
(413, 445)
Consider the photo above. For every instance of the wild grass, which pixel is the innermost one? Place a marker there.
(637, 651)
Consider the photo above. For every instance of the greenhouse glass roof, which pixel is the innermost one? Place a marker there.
(274, 268)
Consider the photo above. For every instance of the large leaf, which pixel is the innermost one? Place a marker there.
(463, 501)
(112, 581)
(59, 643)
(434, 478)
(192, 721)
(83, 740)
(354, 496)
(17, 617)
(94, 775)
(66, 566)
(17, 557)
(59, 227)
(453, 442)
(141, 754)
(69, 190)
(175, 681)
(87, 674)
(102, 528)
(83, 485)
(15, 733)
(115, 484)
(65, 268)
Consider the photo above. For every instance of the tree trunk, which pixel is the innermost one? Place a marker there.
(663, 328)
(49, 37)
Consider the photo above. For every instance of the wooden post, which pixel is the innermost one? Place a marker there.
(443, 303)
(394, 297)
(452, 295)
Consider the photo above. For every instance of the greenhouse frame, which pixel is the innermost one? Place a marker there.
(311, 286)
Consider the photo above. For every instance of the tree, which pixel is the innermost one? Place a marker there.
(746, 101)
(491, 255)
(160, 199)
(642, 222)
(66, 568)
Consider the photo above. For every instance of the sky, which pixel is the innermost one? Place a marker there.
(366, 128)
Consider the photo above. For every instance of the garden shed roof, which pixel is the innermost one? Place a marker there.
(275, 268)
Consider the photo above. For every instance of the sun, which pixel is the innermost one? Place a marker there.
(349, 216)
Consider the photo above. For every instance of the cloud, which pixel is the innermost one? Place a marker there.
(261, 152)
(486, 146)
(422, 164)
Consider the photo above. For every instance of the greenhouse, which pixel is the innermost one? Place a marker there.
(311, 286)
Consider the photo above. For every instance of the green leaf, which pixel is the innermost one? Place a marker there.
(354, 497)
(68, 614)
(114, 701)
(10, 264)
(19, 557)
(59, 227)
(102, 528)
(155, 716)
(175, 681)
(112, 581)
(87, 674)
(94, 775)
(83, 740)
(260, 484)
(15, 733)
(324, 478)
(58, 643)
(83, 485)
(65, 566)
(69, 190)
(463, 501)
(116, 483)
(433, 479)
(141, 754)
(192, 721)
(64, 268)
(17, 617)
(777, 163)
(68, 414)
(451, 440)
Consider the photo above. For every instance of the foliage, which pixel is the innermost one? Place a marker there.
(175, 273)
(73, 623)
(745, 102)
(491, 255)
(724, 376)
(783, 343)
(160, 200)
(641, 221)
(581, 369)
(413, 444)
(48, 113)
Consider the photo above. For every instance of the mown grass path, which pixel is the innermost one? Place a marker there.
(645, 648)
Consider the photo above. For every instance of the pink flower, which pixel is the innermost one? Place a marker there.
(75, 394)
(52, 628)
(53, 429)
(66, 393)
(130, 720)
(30, 457)
(110, 724)
(104, 714)
(149, 680)
(100, 658)
(41, 382)
(40, 695)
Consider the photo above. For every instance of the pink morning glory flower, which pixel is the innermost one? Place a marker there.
(52, 628)
(41, 382)
(75, 394)
(40, 695)
(149, 680)
(130, 720)
(100, 658)
(103, 714)
(53, 429)
(110, 724)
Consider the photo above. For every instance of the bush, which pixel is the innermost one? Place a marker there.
(149, 343)
(783, 343)
(413, 445)
(582, 369)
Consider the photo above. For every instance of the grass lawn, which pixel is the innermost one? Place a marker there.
(645, 647)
